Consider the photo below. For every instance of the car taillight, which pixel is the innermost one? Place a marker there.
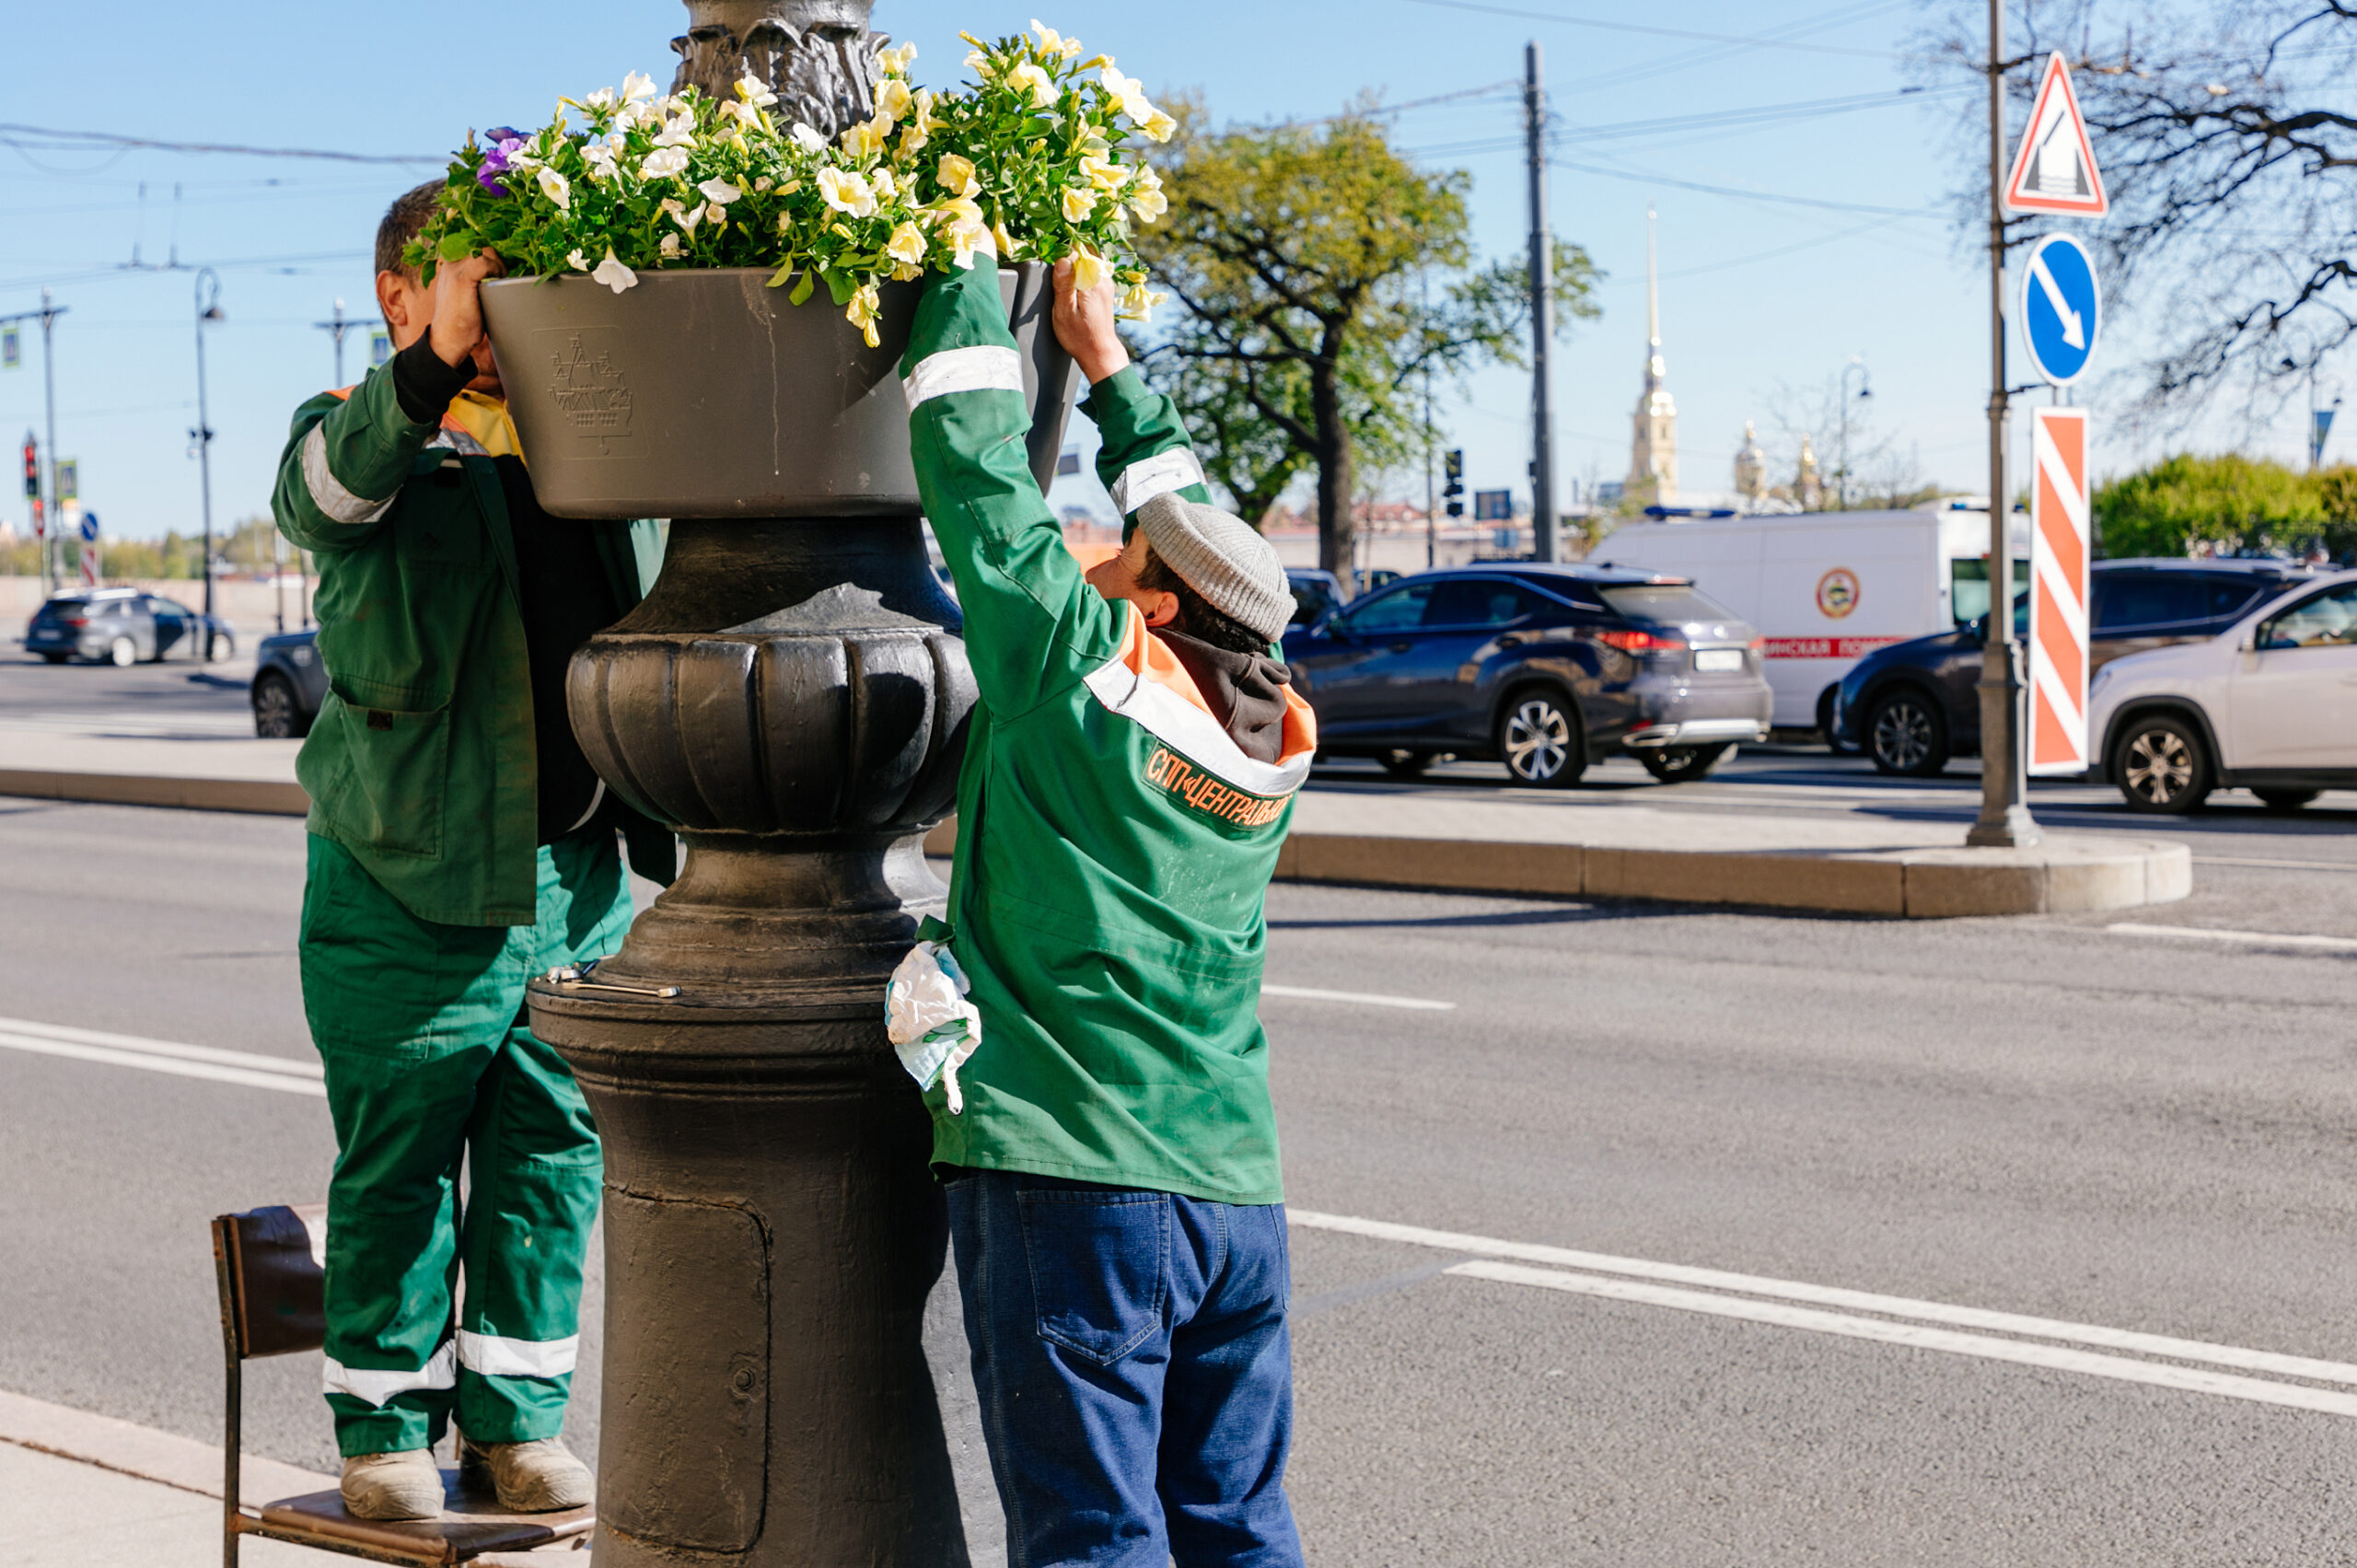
(1635, 642)
(78, 621)
(1757, 644)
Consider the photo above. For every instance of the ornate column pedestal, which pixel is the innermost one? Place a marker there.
(793, 696)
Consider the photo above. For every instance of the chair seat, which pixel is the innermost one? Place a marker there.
(470, 1526)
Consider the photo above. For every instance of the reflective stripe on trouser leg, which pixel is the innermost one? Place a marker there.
(533, 1172)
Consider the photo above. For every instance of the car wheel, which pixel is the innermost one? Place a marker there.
(122, 652)
(1539, 740)
(53, 658)
(278, 715)
(2285, 799)
(2162, 766)
(1405, 765)
(1683, 764)
(1908, 735)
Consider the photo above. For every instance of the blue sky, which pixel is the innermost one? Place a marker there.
(1758, 290)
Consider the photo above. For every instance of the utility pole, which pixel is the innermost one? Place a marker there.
(336, 329)
(208, 308)
(2004, 821)
(1542, 313)
(1432, 498)
(1842, 481)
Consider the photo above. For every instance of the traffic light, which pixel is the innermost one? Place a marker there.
(33, 466)
(1453, 465)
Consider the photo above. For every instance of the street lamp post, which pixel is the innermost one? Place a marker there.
(208, 309)
(2004, 821)
(1841, 482)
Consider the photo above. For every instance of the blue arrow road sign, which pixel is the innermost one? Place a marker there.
(2062, 309)
(90, 525)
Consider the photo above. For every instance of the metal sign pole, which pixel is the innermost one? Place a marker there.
(53, 556)
(2004, 821)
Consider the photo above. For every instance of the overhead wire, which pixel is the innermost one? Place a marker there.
(1759, 40)
(59, 140)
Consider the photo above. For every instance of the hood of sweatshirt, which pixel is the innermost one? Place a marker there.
(1245, 692)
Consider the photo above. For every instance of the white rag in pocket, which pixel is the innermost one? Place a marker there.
(934, 1027)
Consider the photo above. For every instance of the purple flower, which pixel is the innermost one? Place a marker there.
(504, 140)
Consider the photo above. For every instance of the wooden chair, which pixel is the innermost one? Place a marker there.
(271, 1274)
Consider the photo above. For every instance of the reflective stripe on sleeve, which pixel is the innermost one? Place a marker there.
(376, 1386)
(495, 1357)
(986, 367)
(328, 493)
(1157, 475)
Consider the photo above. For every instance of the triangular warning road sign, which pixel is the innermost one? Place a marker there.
(2055, 169)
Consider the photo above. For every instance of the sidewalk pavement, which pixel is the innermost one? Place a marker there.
(1568, 845)
(96, 1492)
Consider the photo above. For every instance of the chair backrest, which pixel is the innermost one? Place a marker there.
(273, 1263)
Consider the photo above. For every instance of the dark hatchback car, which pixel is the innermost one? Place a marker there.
(289, 685)
(1913, 705)
(122, 626)
(1543, 668)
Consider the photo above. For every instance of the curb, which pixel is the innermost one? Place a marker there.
(143, 1452)
(2063, 876)
(258, 796)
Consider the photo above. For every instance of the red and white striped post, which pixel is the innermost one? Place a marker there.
(2059, 536)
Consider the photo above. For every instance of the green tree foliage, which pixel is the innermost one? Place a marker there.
(1321, 276)
(2228, 503)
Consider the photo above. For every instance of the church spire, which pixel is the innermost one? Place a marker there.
(1653, 456)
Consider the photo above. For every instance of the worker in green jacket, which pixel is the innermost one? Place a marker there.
(459, 844)
(1112, 1154)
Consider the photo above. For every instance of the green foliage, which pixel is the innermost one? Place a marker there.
(1323, 276)
(1030, 158)
(2228, 502)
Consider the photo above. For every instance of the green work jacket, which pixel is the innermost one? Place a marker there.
(422, 762)
(1114, 844)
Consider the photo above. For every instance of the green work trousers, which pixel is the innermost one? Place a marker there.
(429, 1064)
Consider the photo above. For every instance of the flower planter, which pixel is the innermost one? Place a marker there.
(705, 394)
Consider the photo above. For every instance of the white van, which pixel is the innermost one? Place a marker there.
(1826, 588)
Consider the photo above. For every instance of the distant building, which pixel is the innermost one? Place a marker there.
(1808, 486)
(1750, 468)
(1653, 456)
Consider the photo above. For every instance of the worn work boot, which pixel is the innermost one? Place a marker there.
(407, 1486)
(529, 1478)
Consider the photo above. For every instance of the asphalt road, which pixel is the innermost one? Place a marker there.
(2122, 1129)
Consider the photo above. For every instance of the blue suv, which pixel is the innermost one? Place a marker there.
(1543, 668)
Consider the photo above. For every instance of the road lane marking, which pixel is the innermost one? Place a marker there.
(1365, 998)
(2213, 934)
(1942, 1312)
(2277, 865)
(242, 1067)
(1919, 1337)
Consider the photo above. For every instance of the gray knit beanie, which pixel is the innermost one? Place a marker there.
(1221, 558)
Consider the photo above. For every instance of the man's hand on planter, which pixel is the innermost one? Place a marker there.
(1083, 323)
(457, 332)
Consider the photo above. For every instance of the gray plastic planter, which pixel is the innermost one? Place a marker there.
(704, 394)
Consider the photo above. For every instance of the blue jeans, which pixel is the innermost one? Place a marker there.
(1134, 1369)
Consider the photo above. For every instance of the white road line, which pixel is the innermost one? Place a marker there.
(1832, 1296)
(1365, 998)
(2157, 1373)
(2212, 934)
(2277, 865)
(242, 1067)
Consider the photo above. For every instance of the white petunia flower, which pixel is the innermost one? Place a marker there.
(576, 261)
(555, 188)
(1030, 77)
(810, 140)
(719, 192)
(846, 193)
(665, 162)
(604, 98)
(754, 91)
(613, 275)
(670, 247)
(637, 87)
(678, 132)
